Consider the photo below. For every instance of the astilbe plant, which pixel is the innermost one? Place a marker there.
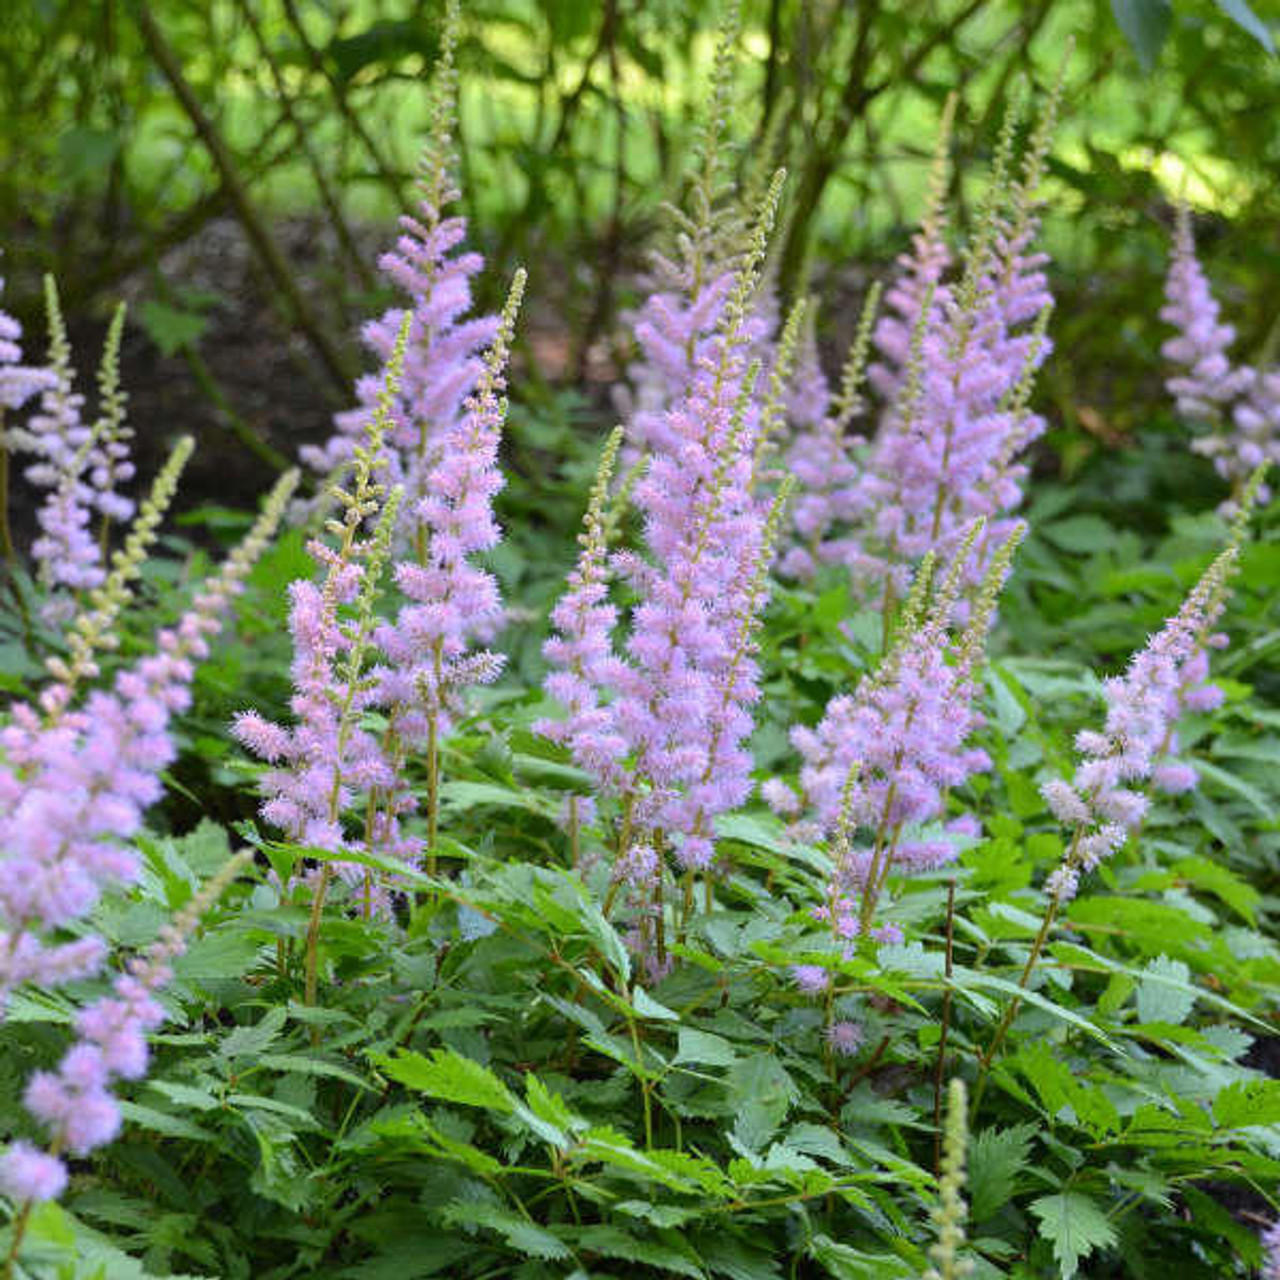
(65, 552)
(1240, 404)
(75, 780)
(955, 371)
(329, 771)
(442, 360)
(1105, 802)
(882, 760)
(662, 724)
(675, 330)
(327, 760)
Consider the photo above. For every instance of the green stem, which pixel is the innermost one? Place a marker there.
(644, 1084)
(15, 1245)
(939, 1068)
(1037, 947)
(313, 935)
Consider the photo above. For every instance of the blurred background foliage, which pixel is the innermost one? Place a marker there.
(233, 168)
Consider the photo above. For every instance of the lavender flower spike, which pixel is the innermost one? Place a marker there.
(74, 1101)
(325, 759)
(442, 361)
(18, 382)
(75, 782)
(1103, 802)
(1208, 380)
(582, 652)
(1240, 404)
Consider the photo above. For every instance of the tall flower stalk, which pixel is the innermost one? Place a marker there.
(1104, 803)
(882, 760)
(660, 723)
(321, 762)
(1239, 404)
(442, 360)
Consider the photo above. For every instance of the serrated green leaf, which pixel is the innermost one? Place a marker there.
(1075, 1226)
(525, 1237)
(1248, 1102)
(705, 1047)
(1163, 994)
(448, 1076)
(996, 1159)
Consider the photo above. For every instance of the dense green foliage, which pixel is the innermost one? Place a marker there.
(470, 1096)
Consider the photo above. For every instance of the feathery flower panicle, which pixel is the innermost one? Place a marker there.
(55, 434)
(944, 453)
(74, 1101)
(18, 382)
(326, 760)
(75, 781)
(951, 1213)
(706, 532)
(956, 362)
(581, 652)
(109, 464)
(662, 721)
(452, 601)
(1208, 380)
(67, 553)
(821, 459)
(1103, 801)
(94, 627)
(882, 759)
(1239, 403)
(676, 328)
(442, 361)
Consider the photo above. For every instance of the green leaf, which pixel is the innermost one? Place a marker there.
(1246, 1103)
(163, 1122)
(1162, 994)
(1084, 534)
(847, 1263)
(525, 1237)
(703, 1046)
(760, 1093)
(250, 1041)
(1075, 1226)
(1213, 877)
(1145, 24)
(1245, 18)
(302, 1064)
(170, 329)
(448, 1076)
(613, 1242)
(996, 1158)
(647, 1007)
